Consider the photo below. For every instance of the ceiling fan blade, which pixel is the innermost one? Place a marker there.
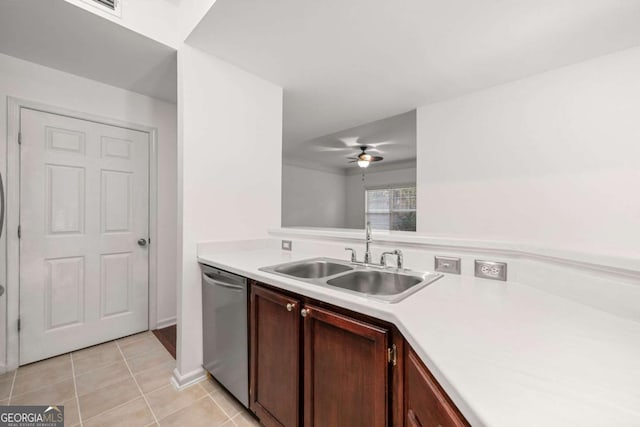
(330, 149)
(352, 161)
(350, 142)
(376, 158)
(379, 144)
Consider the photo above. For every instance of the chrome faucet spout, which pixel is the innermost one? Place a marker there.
(353, 254)
(398, 253)
(367, 251)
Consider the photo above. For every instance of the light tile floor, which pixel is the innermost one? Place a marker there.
(122, 383)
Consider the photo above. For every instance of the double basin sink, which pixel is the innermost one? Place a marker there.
(389, 285)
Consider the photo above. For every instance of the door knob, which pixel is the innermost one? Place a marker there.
(305, 312)
(142, 242)
(290, 306)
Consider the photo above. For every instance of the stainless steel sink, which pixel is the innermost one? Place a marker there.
(312, 269)
(374, 282)
(388, 285)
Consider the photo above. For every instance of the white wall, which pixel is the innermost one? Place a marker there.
(191, 13)
(229, 147)
(356, 188)
(313, 198)
(166, 21)
(551, 160)
(156, 19)
(25, 80)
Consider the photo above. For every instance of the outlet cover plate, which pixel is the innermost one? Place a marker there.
(445, 264)
(491, 270)
(287, 245)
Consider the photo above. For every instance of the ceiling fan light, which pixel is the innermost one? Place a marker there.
(363, 163)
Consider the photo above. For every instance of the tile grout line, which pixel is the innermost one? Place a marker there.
(150, 367)
(180, 409)
(75, 388)
(206, 395)
(13, 381)
(146, 370)
(229, 418)
(40, 387)
(233, 420)
(137, 385)
(114, 408)
(117, 362)
(216, 403)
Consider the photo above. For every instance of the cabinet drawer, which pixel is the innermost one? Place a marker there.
(426, 404)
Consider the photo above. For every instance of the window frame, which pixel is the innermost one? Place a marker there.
(390, 211)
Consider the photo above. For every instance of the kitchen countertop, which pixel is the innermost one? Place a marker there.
(507, 354)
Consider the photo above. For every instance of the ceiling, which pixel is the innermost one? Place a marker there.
(393, 138)
(345, 63)
(59, 35)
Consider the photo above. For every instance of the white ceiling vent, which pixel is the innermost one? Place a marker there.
(109, 6)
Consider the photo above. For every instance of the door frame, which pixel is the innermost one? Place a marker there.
(12, 194)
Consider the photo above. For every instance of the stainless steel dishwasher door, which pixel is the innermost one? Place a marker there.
(224, 316)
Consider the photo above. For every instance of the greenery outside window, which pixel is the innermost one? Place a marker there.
(391, 208)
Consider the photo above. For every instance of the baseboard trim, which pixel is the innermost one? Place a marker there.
(181, 382)
(164, 323)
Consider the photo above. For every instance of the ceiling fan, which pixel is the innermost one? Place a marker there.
(364, 159)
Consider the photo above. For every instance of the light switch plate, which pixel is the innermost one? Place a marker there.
(491, 270)
(444, 264)
(287, 245)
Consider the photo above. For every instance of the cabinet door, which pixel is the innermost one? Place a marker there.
(345, 371)
(275, 344)
(427, 405)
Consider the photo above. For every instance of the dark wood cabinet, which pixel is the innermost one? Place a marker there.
(274, 358)
(426, 403)
(316, 365)
(345, 371)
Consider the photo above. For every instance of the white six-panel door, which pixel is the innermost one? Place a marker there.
(84, 206)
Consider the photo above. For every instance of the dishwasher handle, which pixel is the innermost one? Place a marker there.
(214, 276)
(213, 281)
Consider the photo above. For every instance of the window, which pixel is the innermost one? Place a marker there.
(391, 208)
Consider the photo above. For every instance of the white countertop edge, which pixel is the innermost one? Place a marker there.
(367, 306)
(466, 389)
(614, 264)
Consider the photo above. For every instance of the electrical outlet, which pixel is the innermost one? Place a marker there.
(444, 264)
(491, 270)
(287, 245)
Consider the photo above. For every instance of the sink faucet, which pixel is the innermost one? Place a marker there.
(397, 253)
(353, 254)
(367, 251)
(368, 260)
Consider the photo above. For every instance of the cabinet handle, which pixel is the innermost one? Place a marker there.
(290, 306)
(305, 312)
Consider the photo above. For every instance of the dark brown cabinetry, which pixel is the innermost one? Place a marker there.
(274, 357)
(316, 365)
(426, 404)
(345, 371)
(344, 362)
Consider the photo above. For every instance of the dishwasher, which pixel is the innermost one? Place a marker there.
(225, 340)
